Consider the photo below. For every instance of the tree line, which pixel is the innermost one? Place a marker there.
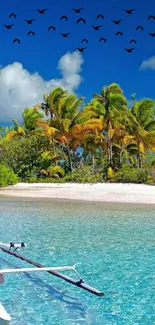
(61, 139)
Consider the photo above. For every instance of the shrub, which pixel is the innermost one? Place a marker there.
(110, 173)
(130, 175)
(84, 175)
(7, 176)
(150, 180)
(55, 170)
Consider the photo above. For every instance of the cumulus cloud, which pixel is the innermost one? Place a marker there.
(148, 64)
(20, 88)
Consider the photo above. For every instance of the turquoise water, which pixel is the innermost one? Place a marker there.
(116, 249)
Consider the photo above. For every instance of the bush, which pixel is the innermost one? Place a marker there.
(130, 175)
(7, 176)
(84, 175)
(55, 170)
(150, 180)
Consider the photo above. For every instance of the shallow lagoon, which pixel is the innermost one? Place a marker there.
(114, 244)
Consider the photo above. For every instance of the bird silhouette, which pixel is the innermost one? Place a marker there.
(81, 19)
(151, 16)
(78, 11)
(16, 40)
(29, 21)
(84, 40)
(41, 11)
(117, 22)
(130, 50)
(102, 39)
(81, 50)
(129, 12)
(140, 27)
(9, 26)
(119, 33)
(31, 32)
(64, 17)
(52, 27)
(133, 41)
(12, 15)
(99, 16)
(97, 27)
(152, 34)
(65, 34)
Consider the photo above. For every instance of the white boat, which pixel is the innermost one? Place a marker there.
(4, 316)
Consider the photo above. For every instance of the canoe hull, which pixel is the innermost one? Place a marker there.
(4, 316)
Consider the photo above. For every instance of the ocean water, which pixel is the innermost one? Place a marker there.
(115, 246)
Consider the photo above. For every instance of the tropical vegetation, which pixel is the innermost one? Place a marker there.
(63, 139)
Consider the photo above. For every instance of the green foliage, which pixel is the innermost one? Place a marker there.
(56, 170)
(110, 173)
(7, 176)
(109, 136)
(31, 118)
(130, 175)
(84, 175)
(24, 156)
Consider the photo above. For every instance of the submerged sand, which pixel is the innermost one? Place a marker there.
(101, 192)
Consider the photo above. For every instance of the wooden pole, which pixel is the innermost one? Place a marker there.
(79, 283)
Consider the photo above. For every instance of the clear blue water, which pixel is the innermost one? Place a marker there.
(116, 249)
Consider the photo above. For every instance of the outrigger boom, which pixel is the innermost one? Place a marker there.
(4, 316)
(52, 270)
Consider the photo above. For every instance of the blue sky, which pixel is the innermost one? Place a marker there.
(103, 63)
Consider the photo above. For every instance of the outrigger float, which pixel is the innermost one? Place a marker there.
(12, 249)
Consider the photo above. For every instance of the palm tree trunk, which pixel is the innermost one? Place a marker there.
(69, 157)
(139, 157)
(93, 160)
(109, 152)
(121, 155)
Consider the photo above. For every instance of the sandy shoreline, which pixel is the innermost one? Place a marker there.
(118, 193)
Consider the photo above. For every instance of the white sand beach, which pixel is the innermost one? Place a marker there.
(119, 193)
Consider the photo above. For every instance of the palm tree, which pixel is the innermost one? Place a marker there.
(110, 104)
(51, 101)
(142, 127)
(65, 116)
(31, 118)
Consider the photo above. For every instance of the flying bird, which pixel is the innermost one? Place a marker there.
(102, 39)
(140, 27)
(81, 50)
(129, 12)
(9, 26)
(119, 33)
(81, 19)
(99, 16)
(152, 34)
(64, 35)
(78, 11)
(52, 27)
(117, 22)
(97, 27)
(64, 17)
(29, 21)
(84, 40)
(31, 32)
(151, 16)
(130, 50)
(12, 15)
(41, 11)
(133, 41)
(16, 40)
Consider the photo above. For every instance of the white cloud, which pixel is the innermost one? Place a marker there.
(19, 88)
(148, 64)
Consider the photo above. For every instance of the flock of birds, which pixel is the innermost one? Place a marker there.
(82, 20)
